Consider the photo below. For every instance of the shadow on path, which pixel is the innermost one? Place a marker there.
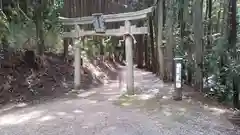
(106, 110)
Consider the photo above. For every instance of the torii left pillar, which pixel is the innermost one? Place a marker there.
(77, 59)
(129, 58)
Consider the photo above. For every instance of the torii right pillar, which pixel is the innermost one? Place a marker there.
(129, 58)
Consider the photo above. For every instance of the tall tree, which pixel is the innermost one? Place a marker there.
(39, 22)
(198, 33)
(232, 42)
(170, 41)
(66, 40)
(140, 49)
(153, 51)
(146, 52)
(187, 18)
(160, 39)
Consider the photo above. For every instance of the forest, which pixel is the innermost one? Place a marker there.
(38, 68)
(203, 32)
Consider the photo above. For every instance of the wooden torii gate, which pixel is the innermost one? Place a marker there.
(98, 20)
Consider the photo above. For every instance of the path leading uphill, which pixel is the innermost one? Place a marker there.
(102, 111)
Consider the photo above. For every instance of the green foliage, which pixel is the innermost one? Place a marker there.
(3, 25)
(51, 15)
(215, 70)
(19, 33)
(18, 25)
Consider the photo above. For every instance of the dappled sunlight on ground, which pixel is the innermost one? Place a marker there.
(154, 97)
(61, 113)
(12, 107)
(78, 111)
(46, 118)
(109, 110)
(86, 94)
(58, 112)
(13, 119)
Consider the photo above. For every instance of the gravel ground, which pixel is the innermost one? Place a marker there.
(102, 111)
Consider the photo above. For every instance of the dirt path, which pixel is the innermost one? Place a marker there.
(102, 111)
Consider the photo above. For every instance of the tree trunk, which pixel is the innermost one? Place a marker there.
(218, 27)
(208, 48)
(161, 63)
(65, 40)
(153, 52)
(139, 48)
(39, 27)
(209, 23)
(188, 18)
(102, 48)
(65, 47)
(146, 52)
(225, 34)
(232, 42)
(170, 42)
(164, 12)
(199, 45)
